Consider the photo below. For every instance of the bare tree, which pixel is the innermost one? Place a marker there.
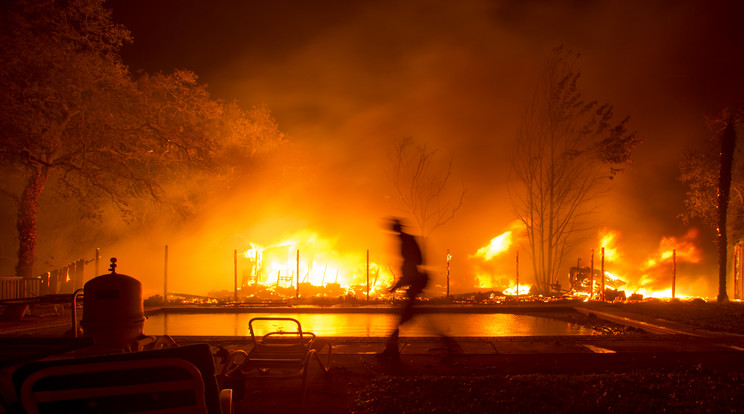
(421, 184)
(566, 150)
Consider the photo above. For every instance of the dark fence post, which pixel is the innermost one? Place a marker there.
(66, 279)
(54, 282)
(44, 289)
(79, 274)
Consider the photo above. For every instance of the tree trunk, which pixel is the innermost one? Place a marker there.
(728, 145)
(28, 210)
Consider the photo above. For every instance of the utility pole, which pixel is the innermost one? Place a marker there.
(165, 276)
(602, 294)
(367, 275)
(517, 274)
(591, 276)
(297, 292)
(674, 271)
(98, 260)
(235, 260)
(449, 259)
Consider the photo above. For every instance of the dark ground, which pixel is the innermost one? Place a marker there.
(659, 383)
(680, 391)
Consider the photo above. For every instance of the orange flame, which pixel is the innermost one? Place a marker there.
(318, 262)
(655, 272)
(523, 290)
(608, 240)
(499, 244)
(684, 248)
(491, 273)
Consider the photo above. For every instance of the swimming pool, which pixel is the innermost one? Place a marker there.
(364, 324)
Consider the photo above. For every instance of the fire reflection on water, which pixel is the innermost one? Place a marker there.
(365, 324)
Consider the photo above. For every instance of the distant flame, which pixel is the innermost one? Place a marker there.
(498, 245)
(320, 265)
(608, 241)
(612, 281)
(523, 290)
(495, 266)
(655, 273)
(685, 250)
(483, 281)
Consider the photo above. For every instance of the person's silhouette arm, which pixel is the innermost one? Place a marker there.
(395, 286)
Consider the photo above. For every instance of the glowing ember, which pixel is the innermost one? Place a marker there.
(523, 290)
(483, 281)
(659, 294)
(613, 282)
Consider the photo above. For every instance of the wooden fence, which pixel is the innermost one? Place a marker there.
(19, 287)
(64, 280)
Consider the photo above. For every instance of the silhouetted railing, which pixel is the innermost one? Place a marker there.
(19, 287)
(64, 280)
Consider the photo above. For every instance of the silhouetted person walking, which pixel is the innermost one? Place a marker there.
(412, 278)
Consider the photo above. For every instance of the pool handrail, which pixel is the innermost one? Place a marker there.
(299, 333)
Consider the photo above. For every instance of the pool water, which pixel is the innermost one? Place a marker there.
(363, 324)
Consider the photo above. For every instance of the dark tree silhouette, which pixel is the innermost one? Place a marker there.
(711, 178)
(728, 144)
(73, 119)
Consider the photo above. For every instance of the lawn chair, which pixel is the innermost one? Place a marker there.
(172, 380)
(281, 354)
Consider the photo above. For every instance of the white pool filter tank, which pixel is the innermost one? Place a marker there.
(113, 312)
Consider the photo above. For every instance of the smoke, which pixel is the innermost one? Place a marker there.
(347, 79)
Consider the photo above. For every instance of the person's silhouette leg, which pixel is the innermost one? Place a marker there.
(391, 351)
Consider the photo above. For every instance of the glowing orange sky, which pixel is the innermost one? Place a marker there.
(346, 79)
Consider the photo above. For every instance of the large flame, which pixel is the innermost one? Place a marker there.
(312, 261)
(495, 261)
(497, 246)
(608, 242)
(683, 250)
(655, 276)
(652, 277)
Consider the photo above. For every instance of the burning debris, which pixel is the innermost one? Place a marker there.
(308, 265)
(607, 276)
